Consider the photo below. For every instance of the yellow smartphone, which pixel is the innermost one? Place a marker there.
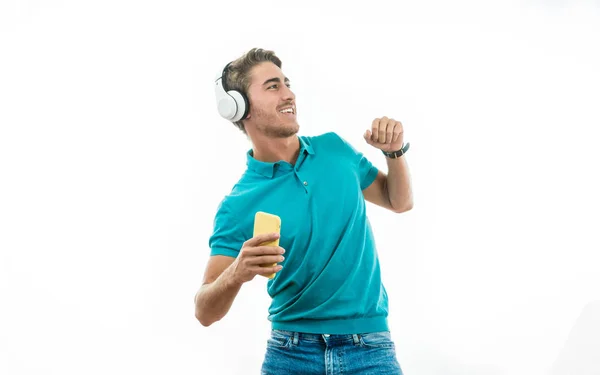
(267, 223)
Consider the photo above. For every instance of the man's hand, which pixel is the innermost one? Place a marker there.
(386, 134)
(253, 255)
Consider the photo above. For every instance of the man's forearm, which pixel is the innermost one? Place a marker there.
(398, 184)
(214, 300)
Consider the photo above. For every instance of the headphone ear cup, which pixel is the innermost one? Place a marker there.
(242, 105)
(225, 103)
(227, 107)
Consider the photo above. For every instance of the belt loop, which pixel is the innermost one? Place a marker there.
(296, 338)
(355, 337)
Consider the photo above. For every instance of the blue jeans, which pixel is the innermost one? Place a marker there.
(297, 353)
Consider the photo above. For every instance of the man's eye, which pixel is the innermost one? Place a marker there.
(289, 86)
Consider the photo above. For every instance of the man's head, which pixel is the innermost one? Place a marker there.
(258, 75)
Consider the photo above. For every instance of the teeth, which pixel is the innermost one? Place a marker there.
(287, 110)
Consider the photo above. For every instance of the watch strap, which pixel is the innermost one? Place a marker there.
(399, 153)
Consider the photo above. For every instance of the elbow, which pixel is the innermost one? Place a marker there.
(198, 311)
(206, 318)
(406, 207)
(201, 317)
(204, 322)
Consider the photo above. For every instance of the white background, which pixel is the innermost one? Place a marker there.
(113, 160)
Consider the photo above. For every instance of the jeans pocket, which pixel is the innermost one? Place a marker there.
(381, 339)
(279, 339)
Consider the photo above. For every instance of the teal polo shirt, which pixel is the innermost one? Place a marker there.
(330, 281)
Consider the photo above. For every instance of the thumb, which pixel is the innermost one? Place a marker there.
(367, 137)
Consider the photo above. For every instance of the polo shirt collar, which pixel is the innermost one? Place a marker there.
(268, 169)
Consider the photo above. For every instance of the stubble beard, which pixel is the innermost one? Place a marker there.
(274, 126)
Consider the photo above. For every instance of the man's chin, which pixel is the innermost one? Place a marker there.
(284, 129)
(286, 133)
(287, 130)
(294, 130)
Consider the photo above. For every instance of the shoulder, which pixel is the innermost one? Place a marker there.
(228, 216)
(224, 208)
(239, 190)
(330, 141)
(325, 137)
(241, 198)
(336, 144)
(228, 202)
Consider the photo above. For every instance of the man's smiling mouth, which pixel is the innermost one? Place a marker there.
(291, 110)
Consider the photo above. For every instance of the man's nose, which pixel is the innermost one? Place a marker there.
(288, 94)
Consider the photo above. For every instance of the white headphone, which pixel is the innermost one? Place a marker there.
(232, 104)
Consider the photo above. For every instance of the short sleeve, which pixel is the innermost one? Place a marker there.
(367, 172)
(227, 238)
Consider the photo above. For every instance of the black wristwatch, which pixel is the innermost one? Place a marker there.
(397, 154)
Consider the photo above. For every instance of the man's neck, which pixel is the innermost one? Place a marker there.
(272, 150)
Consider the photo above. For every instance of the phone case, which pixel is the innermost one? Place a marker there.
(267, 223)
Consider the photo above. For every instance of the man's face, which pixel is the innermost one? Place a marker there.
(269, 93)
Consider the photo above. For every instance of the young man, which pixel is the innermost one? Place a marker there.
(329, 307)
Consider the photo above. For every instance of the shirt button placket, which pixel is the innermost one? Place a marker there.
(303, 181)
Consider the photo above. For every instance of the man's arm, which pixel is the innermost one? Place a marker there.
(392, 191)
(219, 289)
(225, 276)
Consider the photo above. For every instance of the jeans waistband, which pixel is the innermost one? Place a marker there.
(317, 337)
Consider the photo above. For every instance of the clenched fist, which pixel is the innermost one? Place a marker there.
(385, 134)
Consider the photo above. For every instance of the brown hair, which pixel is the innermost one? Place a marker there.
(237, 77)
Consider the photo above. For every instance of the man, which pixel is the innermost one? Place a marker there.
(329, 307)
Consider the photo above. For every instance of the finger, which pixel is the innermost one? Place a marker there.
(266, 259)
(266, 270)
(382, 129)
(389, 131)
(367, 137)
(261, 238)
(375, 130)
(265, 250)
(398, 130)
